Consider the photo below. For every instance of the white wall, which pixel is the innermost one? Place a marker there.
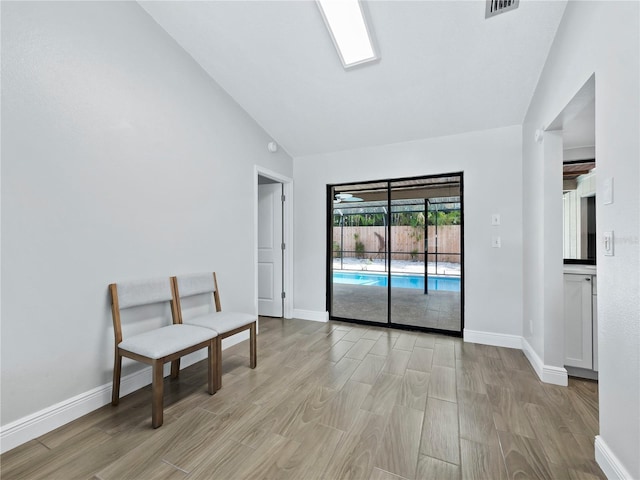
(121, 159)
(601, 38)
(491, 161)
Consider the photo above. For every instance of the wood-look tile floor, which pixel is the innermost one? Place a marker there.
(332, 401)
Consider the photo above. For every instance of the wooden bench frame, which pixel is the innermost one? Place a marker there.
(157, 364)
(253, 356)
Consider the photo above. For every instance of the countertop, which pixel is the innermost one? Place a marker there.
(580, 269)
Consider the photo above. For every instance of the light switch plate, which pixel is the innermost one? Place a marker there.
(496, 242)
(607, 243)
(495, 219)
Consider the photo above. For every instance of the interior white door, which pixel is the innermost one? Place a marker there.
(270, 301)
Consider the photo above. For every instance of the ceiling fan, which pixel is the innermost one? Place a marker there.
(346, 197)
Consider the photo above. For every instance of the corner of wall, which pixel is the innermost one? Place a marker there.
(546, 373)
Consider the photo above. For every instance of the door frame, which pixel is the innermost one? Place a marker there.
(287, 222)
(329, 256)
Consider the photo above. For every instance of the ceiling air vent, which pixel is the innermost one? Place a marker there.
(495, 7)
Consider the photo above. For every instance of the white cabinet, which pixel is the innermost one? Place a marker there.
(594, 312)
(578, 321)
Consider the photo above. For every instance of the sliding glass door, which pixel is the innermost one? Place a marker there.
(426, 256)
(358, 259)
(396, 252)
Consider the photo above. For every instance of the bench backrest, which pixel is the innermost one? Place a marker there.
(136, 293)
(196, 284)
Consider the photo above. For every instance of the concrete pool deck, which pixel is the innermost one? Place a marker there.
(409, 306)
(438, 309)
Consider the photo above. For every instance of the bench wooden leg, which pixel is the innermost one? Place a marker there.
(175, 368)
(157, 392)
(218, 340)
(253, 354)
(212, 371)
(117, 369)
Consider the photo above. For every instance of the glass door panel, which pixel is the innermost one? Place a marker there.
(407, 259)
(359, 264)
(426, 222)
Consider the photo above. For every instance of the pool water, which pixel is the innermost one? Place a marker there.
(449, 284)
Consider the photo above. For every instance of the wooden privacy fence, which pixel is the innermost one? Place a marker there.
(405, 239)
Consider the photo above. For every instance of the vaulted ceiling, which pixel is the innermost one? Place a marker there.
(444, 69)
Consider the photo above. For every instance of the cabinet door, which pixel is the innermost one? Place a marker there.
(578, 333)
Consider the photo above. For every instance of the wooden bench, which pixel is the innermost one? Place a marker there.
(157, 346)
(225, 324)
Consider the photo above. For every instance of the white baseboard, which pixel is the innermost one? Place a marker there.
(533, 357)
(555, 375)
(493, 339)
(32, 426)
(608, 462)
(546, 373)
(311, 315)
(27, 428)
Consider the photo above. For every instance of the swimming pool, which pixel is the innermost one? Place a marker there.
(449, 284)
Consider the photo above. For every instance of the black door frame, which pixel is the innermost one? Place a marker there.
(329, 255)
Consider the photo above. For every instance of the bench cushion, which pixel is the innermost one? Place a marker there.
(167, 340)
(222, 322)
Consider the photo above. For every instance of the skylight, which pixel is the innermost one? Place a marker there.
(346, 23)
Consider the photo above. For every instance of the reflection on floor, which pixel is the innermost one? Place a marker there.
(409, 306)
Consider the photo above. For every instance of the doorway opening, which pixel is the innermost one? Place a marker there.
(575, 154)
(270, 250)
(273, 264)
(395, 255)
